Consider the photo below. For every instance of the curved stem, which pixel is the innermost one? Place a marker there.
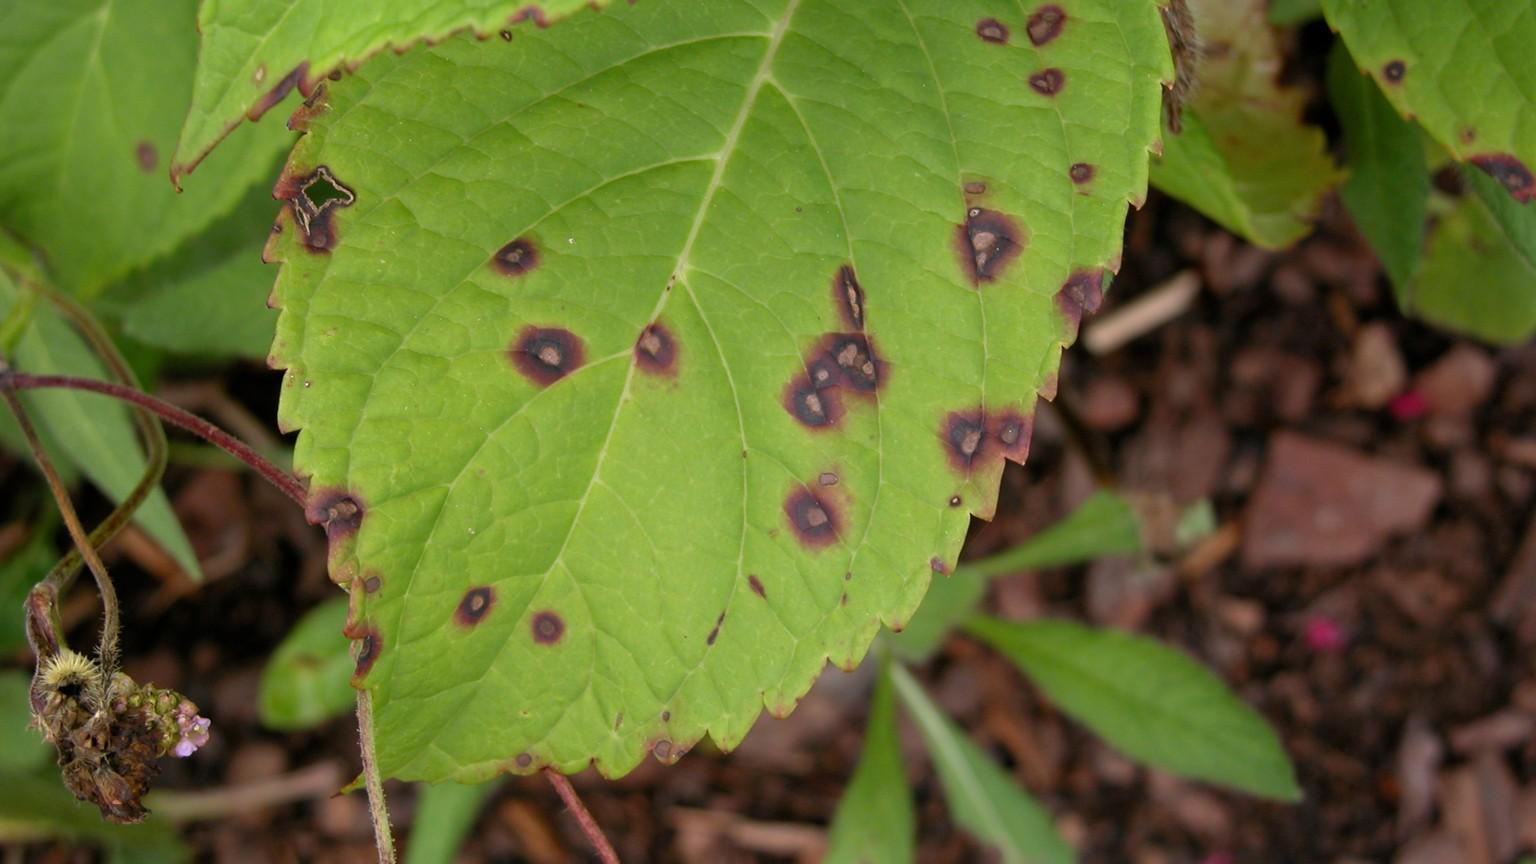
(584, 818)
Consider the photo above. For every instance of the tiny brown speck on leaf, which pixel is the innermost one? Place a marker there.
(1394, 71)
(1081, 172)
(547, 627)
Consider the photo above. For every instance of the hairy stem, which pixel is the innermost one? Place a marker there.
(383, 837)
(584, 818)
(284, 481)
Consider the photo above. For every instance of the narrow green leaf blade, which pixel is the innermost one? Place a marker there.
(19, 571)
(39, 808)
(874, 821)
(1387, 191)
(1291, 12)
(555, 339)
(1148, 701)
(22, 748)
(307, 681)
(981, 796)
(94, 432)
(254, 52)
(445, 812)
(1462, 70)
(92, 93)
(1244, 158)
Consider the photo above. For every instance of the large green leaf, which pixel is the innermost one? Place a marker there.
(1387, 191)
(637, 364)
(1149, 701)
(1244, 157)
(1479, 271)
(254, 52)
(95, 433)
(874, 821)
(92, 93)
(1463, 70)
(981, 796)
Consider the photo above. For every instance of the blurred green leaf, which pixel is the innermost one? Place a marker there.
(94, 432)
(444, 814)
(308, 679)
(1286, 13)
(38, 808)
(1245, 159)
(209, 298)
(1479, 270)
(22, 749)
(874, 820)
(1387, 191)
(19, 571)
(1148, 701)
(981, 796)
(93, 98)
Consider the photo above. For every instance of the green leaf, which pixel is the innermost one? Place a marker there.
(22, 748)
(1286, 13)
(254, 52)
(209, 298)
(94, 432)
(1148, 701)
(307, 680)
(981, 796)
(22, 569)
(1462, 70)
(1479, 272)
(874, 821)
(445, 813)
(1387, 191)
(586, 554)
(38, 808)
(92, 93)
(1244, 158)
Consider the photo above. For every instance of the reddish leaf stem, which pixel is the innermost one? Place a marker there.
(284, 481)
(584, 818)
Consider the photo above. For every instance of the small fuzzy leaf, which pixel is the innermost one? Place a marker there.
(981, 796)
(92, 93)
(1387, 191)
(307, 681)
(648, 361)
(1462, 70)
(93, 432)
(874, 820)
(1245, 158)
(1148, 701)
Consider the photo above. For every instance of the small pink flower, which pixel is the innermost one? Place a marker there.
(1408, 405)
(1324, 635)
(193, 729)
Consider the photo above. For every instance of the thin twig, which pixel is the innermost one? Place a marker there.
(383, 837)
(584, 818)
(316, 781)
(284, 481)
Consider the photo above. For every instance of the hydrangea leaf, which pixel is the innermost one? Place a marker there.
(646, 363)
(92, 93)
(1462, 70)
(1244, 157)
(255, 52)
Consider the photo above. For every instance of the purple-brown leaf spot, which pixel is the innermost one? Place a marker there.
(1080, 172)
(372, 584)
(1511, 173)
(147, 156)
(656, 350)
(299, 78)
(756, 585)
(714, 632)
(1045, 24)
(955, 501)
(523, 761)
(843, 601)
(474, 606)
(857, 364)
(313, 201)
(937, 565)
(666, 716)
(965, 438)
(812, 518)
(849, 297)
(1394, 71)
(546, 354)
(826, 478)
(986, 243)
(1468, 134)
(547, 627)
(366, 653)
(532, 12)
(814, 407)
(506, 35)
(516, 258)
(665, 752)
(339, 512)
(992, 30)
(1081, 294)
(1048, 82)
(1012, 431)
(974, 188)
